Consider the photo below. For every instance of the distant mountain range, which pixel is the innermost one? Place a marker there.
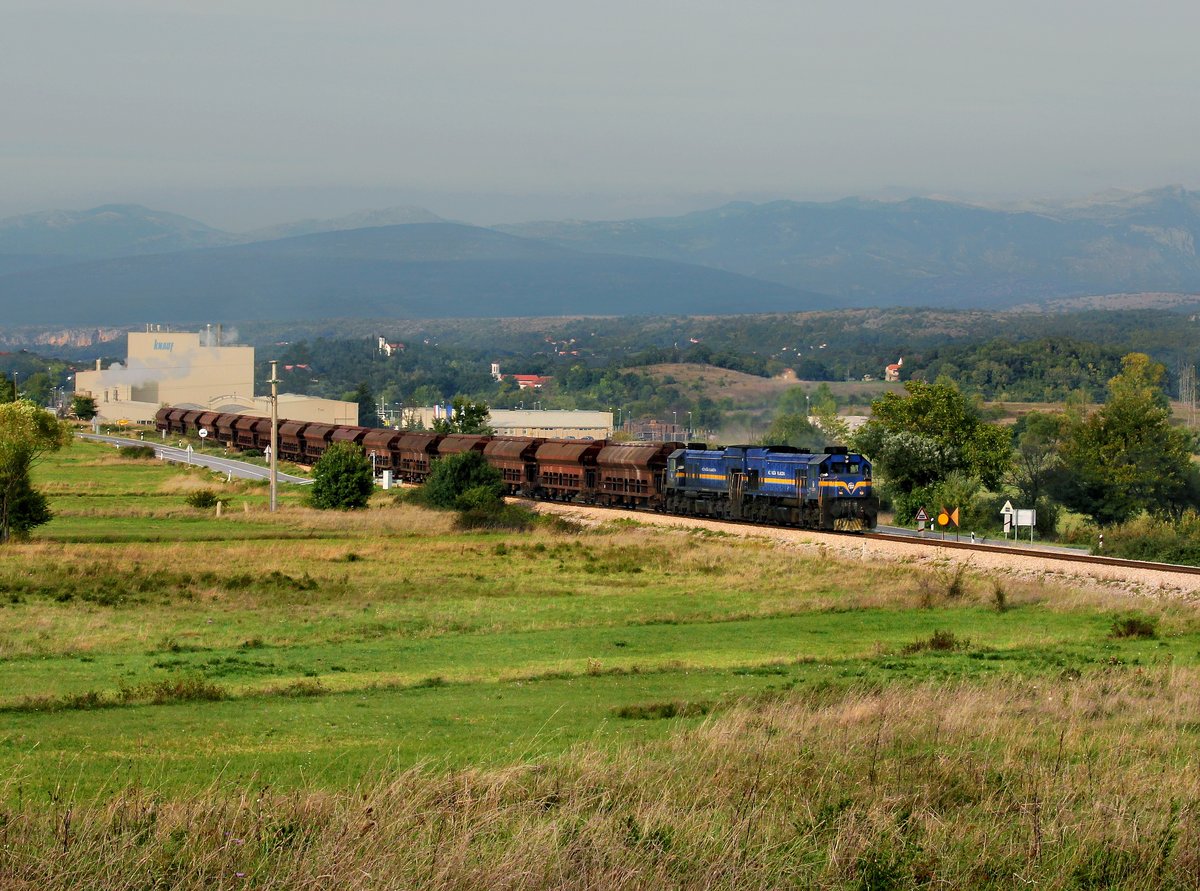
(418, 270)
(126, 264)
(923, 251)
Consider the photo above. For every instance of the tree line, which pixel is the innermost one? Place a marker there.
(931, 447)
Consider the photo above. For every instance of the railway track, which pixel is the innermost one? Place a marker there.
(1040, 553)
(895, 539)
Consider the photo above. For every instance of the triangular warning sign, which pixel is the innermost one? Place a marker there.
(922, 516)
(954, 517)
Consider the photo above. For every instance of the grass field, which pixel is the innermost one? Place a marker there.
(618, 706)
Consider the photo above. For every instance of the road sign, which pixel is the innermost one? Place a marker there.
(1007, 509)
(922, 515)
(954, 516)
(203, 431)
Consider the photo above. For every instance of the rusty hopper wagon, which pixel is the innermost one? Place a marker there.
(414, 451)
(567, 468)
(632, 474)
(513, 456)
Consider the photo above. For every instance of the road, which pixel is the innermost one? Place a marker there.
(240, 469)
(1024, 544)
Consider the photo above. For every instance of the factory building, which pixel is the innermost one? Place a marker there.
(194, 369)
(550, 423)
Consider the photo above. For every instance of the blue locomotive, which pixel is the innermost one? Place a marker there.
(773, 484)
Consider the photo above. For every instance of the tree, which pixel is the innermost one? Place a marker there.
(368, 412)
(467, 417)
(1126, 457)
(1036, 459)
(84, 407)
(794, 430)
(8, 390)
(342, 478)
(26, 434)
(464, 480)
(917, 440)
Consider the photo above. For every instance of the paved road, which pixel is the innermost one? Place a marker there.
(240, 469)
(965, 538)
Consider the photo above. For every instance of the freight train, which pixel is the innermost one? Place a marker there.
(781, 485)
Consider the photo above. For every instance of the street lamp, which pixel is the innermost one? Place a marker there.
(689, 429)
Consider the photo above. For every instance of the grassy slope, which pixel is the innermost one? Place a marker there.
(380, 702)
(386, 635)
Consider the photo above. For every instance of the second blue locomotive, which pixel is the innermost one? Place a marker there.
(774, 484)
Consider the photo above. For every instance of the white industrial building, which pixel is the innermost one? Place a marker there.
(193, 369)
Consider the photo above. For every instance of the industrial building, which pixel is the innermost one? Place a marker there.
(550, 423)
(194, 369)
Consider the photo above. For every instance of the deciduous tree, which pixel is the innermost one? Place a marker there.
(1126, 457)
(84, 407)
(342, 478)
(26, 434)
(468, 417)
(917, 440)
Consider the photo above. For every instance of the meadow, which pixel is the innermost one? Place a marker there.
(379, 700)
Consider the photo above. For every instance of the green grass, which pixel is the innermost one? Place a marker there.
(333, 642)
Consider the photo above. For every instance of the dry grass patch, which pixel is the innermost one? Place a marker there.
(1012, 783)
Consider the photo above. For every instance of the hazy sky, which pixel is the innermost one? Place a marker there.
(250, 112)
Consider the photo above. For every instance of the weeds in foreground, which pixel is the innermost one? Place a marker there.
(1133, 625)
(938, 642)
(959, 786)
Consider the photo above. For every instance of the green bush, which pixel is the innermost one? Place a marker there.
(509, 517)
(342, 478)
(1134, 625)
(1148, 538)
(454, 476)
(140, 452)
(204, 499)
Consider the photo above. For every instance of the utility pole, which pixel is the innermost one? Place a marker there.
(274, 434)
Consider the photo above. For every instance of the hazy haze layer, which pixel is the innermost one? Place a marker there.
(247, 114)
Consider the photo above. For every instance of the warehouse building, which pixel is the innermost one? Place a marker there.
(550, 423)
(195, 369)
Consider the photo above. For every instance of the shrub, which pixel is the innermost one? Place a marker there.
(1135, 626)
(508, 517)
(140, 452)
(252, 453)
(204, 499)
(342, 478)
(1163, 541)
(939, 641)
(455, 475)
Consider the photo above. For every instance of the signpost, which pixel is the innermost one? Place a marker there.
(945, 518)
(1006, 514)
(189, 453)
(202, 432)
(922, 518)
(1015, 518)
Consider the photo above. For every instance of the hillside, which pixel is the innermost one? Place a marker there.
(436, 270)
(921, 250)
(113, 230)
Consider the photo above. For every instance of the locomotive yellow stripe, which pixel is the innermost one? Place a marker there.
(853, 488)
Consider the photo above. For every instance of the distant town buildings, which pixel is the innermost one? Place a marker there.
(389, 349)
(523, 381)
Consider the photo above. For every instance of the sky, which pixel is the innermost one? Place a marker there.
(253, 112)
